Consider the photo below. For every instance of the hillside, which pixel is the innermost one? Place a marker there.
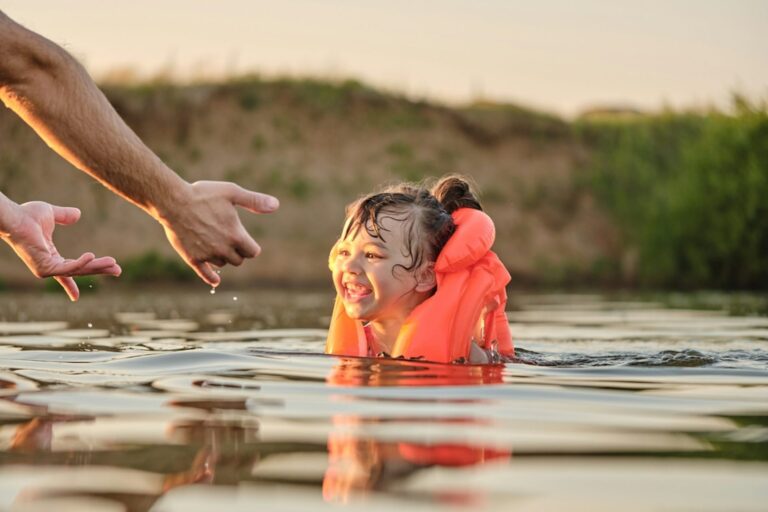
(317, 146)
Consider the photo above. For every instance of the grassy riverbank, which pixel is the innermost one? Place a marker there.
(669, 199)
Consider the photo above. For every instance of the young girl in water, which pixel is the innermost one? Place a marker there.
(415, 278)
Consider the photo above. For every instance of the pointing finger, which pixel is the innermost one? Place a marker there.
(65, 214)
(255, 202)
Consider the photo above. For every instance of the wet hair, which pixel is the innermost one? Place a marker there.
(424, 206)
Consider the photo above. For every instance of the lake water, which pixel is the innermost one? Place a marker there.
(197, 402)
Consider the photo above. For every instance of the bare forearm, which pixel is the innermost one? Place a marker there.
(52, 92)
(44, 85)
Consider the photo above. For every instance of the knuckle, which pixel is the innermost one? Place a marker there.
(219, 261)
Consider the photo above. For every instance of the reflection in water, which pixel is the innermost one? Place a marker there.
(358, 463)
(237, 409)
(214, 452)
(365, 372)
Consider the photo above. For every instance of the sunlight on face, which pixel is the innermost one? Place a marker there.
(369, 273)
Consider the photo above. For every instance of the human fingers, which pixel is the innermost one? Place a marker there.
(206, 273)
(88, 270)
(111, 270)
(234, 258)
(67, 267)
(65, 214)
(104, 265)
(247, 246)
(255, 202)
(217, 261)
(70, 286)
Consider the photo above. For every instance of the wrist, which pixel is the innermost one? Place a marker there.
(170, 198)
(10, 216)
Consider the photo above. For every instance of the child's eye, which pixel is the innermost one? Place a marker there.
(343, 252)
(372, 256)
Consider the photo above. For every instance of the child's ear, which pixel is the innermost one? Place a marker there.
(333, 254)
(425, 278)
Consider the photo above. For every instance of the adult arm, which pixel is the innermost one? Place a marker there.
(54, 94)
(28, 228)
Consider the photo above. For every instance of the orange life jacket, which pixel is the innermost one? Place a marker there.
(471, 283)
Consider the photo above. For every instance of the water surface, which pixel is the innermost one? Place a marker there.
(178, 401)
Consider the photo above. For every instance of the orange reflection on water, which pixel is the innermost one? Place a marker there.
(359, 463)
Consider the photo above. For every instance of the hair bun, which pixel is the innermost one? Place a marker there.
(456, 192)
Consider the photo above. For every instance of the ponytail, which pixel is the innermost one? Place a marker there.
(454, 192)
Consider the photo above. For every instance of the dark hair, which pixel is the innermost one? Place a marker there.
(427, 208)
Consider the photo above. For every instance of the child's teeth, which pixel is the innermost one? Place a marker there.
(356, 289)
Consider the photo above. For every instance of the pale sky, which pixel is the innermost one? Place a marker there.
(557, 55)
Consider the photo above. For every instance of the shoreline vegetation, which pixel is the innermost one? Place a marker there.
(614, 199)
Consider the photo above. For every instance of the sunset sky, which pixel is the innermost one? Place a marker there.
(557, 55)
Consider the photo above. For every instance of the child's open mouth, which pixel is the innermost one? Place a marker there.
(356, 292)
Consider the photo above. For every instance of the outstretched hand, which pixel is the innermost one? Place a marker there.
(205, 229)
(31, 237)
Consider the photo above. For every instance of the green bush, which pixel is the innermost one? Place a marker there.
(86, 284)
(690, 192)
(152, 266)
(249, 100)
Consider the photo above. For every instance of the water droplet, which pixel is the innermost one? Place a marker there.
(90, 286)
(213, 291)
(90, 325)
(234, 298)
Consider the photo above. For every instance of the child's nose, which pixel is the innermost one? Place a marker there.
(350, 265)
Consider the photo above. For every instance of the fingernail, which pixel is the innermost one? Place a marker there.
(272, 203)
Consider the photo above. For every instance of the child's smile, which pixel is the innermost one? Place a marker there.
(370, 277)
(355, 292)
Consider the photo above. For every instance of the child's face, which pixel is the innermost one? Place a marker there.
(367, 277)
